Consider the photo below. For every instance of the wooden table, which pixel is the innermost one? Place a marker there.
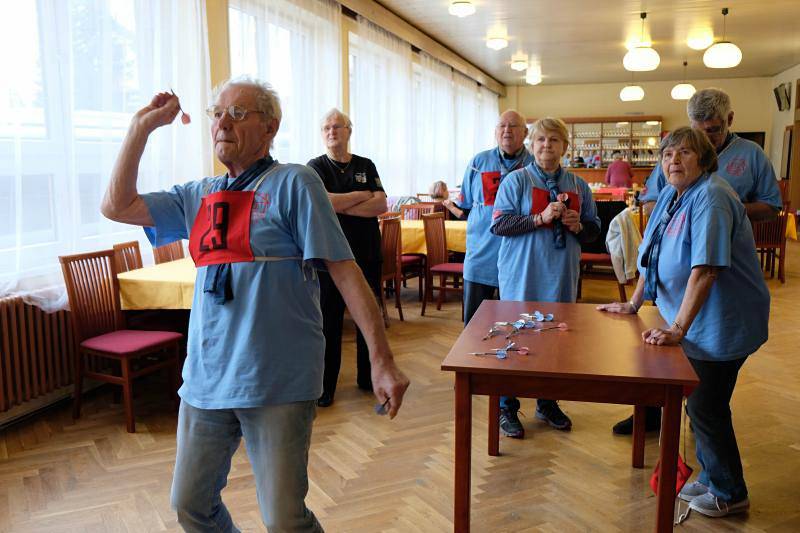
(601, 358)
(413, 236)
(165, 286)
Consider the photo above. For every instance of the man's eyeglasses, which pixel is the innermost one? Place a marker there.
(508, 126)
(236, 112)
(335, 127)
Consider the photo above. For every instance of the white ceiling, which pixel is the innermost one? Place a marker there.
(584, 41)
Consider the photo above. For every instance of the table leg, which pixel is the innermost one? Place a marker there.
(638, 436)
(494, 425)
(670, 436)
(463, 456)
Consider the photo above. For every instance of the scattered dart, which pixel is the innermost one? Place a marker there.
(185, 118)
(382, 408)
(561, 325)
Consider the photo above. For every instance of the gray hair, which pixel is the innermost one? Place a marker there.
(267, 100)
(437, 185)
(695, 140)
(337, 114)
(708, 104)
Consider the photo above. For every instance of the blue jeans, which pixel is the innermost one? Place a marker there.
(710, 413)
(277, 439)
(474, 294)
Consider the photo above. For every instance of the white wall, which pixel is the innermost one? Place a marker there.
(751, 98)
(781, 119)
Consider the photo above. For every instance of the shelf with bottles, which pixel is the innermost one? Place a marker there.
(597, 138)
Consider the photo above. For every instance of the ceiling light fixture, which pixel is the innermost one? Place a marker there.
(641, 58)
(519, 62)
(723, 54)
(461, 9)
(496, 43)
(700, 39)
(683, 90)
(631, 93)
(533, 75)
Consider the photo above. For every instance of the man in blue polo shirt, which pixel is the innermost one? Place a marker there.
(476, 202)
(742, 163)
(254, 361)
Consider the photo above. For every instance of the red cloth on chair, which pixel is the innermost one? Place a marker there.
(128, 341)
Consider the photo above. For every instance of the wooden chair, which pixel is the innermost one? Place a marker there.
(770, 238)
(643, 219)
(391, 268)
(127, 256)
(411, 265)
(438, 263)
(415, 211)
(784, 186)
(595, 259)
(99, 326)
(168, 252)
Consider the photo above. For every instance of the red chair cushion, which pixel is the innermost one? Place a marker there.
(411, 259)
(604, 259)
(129, 341)
(448, 268)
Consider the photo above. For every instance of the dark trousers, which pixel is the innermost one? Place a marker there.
(474, 294)
(332, 305)
(710, 413)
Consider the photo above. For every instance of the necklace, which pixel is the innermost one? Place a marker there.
(336, 164)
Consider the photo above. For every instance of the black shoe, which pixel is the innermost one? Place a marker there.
(550, 412)
(652, 422)
(510, 426)
(325, 400)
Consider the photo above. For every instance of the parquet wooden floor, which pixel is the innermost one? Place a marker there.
(369, 474)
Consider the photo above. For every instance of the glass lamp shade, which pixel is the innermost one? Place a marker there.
(682, 91)
(496, 43)
(631, 93)
(461, 9)
(641, 59)
(519, 65)
(723, 54)
(533, 76)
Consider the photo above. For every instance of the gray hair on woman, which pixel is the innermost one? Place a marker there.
(708, 104)
(337, 114)
(696, 141)
(438, 187)
(267, 100)
(550, 124)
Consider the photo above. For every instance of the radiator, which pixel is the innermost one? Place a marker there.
(37, 351)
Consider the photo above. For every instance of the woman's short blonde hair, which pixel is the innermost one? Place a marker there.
(550, 124)
(695, 140)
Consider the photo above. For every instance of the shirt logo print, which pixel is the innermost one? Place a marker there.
(736, 167)
(676, 225)
(260, 205)
(361, 177)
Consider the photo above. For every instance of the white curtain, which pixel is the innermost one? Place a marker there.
(468, 121)
(434, 108)
(381, 105)
(489, 113)
(72, 74)
(295, 46)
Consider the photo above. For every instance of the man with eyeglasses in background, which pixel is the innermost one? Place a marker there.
(742, 163)
(255, 348)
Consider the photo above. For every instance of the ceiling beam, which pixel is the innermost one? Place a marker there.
(387, 20)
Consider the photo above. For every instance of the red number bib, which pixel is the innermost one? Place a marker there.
(541, 199)
(490, 182)
(221, 230)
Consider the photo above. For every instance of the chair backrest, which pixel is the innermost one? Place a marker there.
(389, 214)
(93, 292)
(168, 252)
(783, 185)
(606, 211)
(772, 234)
(435, 239)
(127, 256)
(390, 242)
(415, 211)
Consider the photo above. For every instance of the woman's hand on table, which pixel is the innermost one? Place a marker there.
(625, 308)
(662, 336)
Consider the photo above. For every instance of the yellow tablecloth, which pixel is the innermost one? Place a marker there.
(413, 236)
(791, 227)
(165, 286)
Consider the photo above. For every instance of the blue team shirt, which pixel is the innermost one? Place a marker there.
(530, 266)
(743, 164)
(266, 345)
(482, 179)
(710, 227)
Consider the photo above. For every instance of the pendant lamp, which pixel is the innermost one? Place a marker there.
(723, 54)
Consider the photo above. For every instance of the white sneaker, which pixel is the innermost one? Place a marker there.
(692, 490)
(710, 505)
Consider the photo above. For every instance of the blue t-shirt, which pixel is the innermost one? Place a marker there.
(743, 164)
(478, 191)
(710, 227)
(266, 345)
(530, 266)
